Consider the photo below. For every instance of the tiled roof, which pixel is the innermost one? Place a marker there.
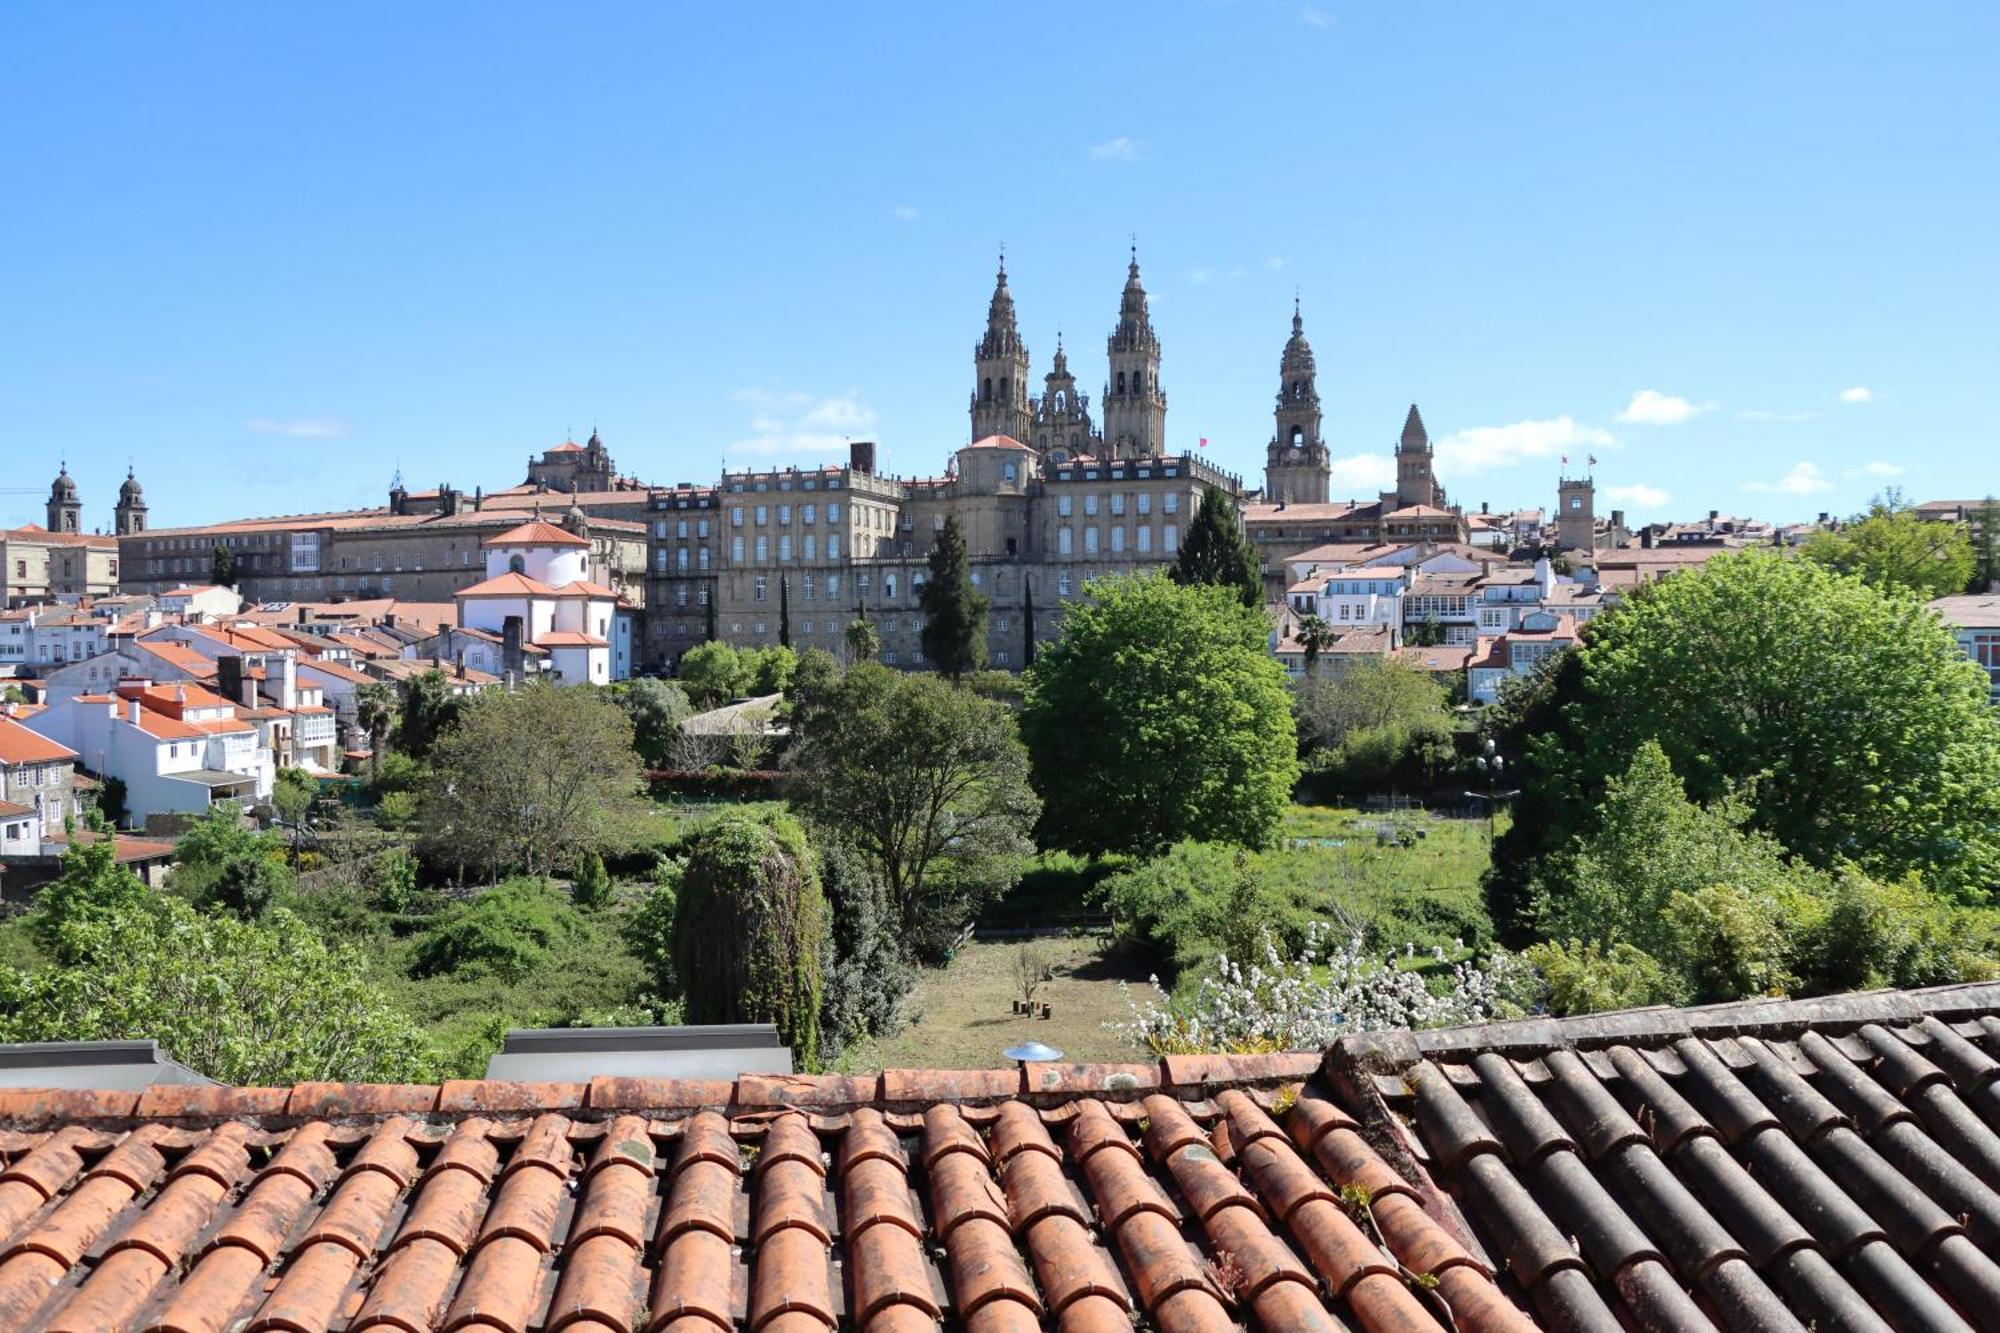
(1974, 611)
(998, 442)
(538, 532)
(1765, 1165)
(509, 585)
(569, 638)
(1770, 1164)
(18, 745)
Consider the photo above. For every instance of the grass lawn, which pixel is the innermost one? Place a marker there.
(963, 1012)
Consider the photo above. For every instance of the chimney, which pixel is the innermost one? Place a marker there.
(478, 498)
(512, 659)
(1483, 509)
(1617, 518)
(230, 678)
(1646, 537)
(1714, 514)
(132, 711)
(1822, 518)
(861, 455)
(447, 500)
(288, 681)
(304, 615)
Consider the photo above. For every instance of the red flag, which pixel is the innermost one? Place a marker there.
(1593, 460)
(1565, 460)
(1204, 441)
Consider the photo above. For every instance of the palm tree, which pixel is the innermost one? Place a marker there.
(1315, 636)
(375, 708)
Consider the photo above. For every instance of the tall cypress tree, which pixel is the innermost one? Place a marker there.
(708, 631)
(1027, 620)
(954, 634)
(784, 612)
(1216, 551)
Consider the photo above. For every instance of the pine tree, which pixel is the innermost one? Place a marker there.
(1216, 551)
(784, 612)
(954, 635)
(1027, 621)
(222, 567)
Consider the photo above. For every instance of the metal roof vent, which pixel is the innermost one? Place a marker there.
(577, 1055)
(101, 1066)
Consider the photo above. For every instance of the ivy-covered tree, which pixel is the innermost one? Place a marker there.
(954, 633)
(1216, 551)
(749, 929)
(1159, 715)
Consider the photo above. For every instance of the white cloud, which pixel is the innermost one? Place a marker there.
(1857, 394)
(1650, 407)
(1485, 447)
(1314, 17)
(297, 428)
(802, 425)
(903, 213)
(1803, 479)
(1121, 149)
(1639, 494)
(1877, 468)
(1363, 474)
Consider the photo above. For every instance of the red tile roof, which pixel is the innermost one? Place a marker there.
(539, 532)
(1769, 1165)
(18, 745)
(509, 585)
(999, 442)
(569, 638)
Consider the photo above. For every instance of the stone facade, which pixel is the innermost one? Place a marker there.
(1576, 514)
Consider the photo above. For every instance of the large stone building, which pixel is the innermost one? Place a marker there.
(1045, 498)
(61, 561)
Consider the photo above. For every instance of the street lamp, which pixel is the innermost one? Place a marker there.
(1492, 766)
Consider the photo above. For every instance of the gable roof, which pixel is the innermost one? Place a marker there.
(18, 745)
(1769, 1164)
(508, 585)
(538, 532)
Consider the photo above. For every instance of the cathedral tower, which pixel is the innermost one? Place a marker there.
(1415, 482)
(65, 509)
(1297, 469)
(1062, 415)
(1135, 410)
(1000, 384)
(130, 513)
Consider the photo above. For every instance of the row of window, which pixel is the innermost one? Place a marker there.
(785, 483)
(1170, 540)
(761, 514)
(1170, 503)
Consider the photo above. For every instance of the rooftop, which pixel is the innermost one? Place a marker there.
(1769, 1164)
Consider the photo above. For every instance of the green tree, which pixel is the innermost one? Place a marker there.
(222, 862)
(375, 710)
(708, 615)
(1848, 718)
(1216, 551)
(656, 708)
(1377, 723)
(1027, 621)
(749, 929)
(1159, 715)
(954, 633)
(292, 795)
(532, 780)
(90, 887)
(1985, 533)
(430, 706)
(929, 784)
(590, 887)
(254, 1004)
(1893, 549)
(770, 669)
(111, 800)
(222, 566)
(867, 969)
(1314, 636)
(863, 643)
(713, 673)
(784, 612)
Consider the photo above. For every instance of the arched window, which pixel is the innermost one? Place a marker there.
(1006, 390)
(1062, 401)
(1008, 472)
(1298, 437)
(1121, 381)
(986, 390)
(517, 563)
(1138, 381)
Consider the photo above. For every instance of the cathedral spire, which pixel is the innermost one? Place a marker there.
(1414, 434)
(1296, 465)
(1000, 369)
(1135, 410)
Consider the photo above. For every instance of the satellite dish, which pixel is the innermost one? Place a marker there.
(1032, 1051)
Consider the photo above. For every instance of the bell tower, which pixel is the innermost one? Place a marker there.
(65, 510)
(1576, 514)
(1062, 415)
(1000, 370)
(1135, 410)
(1416, 484)
(130, 513)
(1297, 469)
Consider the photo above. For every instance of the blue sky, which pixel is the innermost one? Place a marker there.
(1744, 254)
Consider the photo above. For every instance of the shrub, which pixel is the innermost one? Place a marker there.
(591, 887)
(506, 931)
(749, 929)
(867, 968)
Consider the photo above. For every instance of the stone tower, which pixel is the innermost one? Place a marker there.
(1000, 384)
(65, 509)
(1297, 469)
(1416, 484)
(1135, 410)
(130, 513)
(1576, 514)
(1062, 427)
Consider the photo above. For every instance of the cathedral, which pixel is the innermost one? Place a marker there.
(1057, 423)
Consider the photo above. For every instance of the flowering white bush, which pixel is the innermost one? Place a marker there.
(1303, 1003)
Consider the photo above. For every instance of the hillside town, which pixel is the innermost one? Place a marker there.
(1484, 819)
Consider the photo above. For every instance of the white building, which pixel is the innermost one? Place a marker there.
(203, 602)
(1975, 620)
(177, 747)
(538, 592)
(1517, 653)
(1354, 597)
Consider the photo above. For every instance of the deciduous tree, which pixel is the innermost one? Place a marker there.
(1892, 549)
(656, 708)
(1159, 715)
(712, 673)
